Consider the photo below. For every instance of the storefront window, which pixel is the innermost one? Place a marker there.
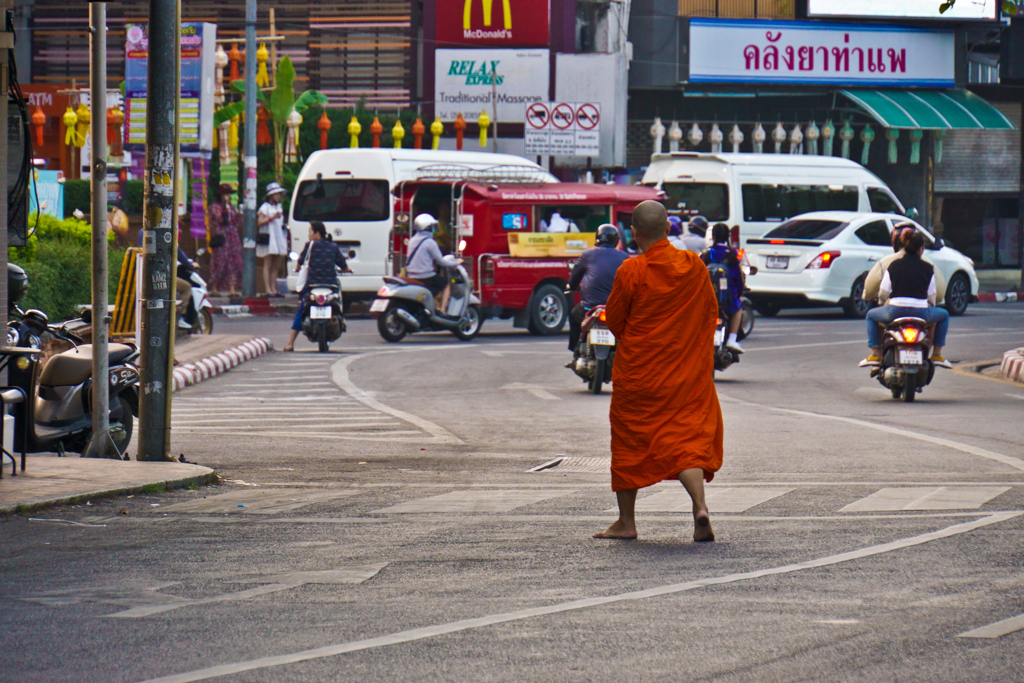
(710, 200)
(769, 203)
(985, 228)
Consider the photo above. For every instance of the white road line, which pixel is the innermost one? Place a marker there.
(803, 346)
(320, 382)
(258, 431)
(490, 620)
(1015, 463)
(380, 435)
(476, 501)
(264, 419)
(1016, 396)
(730, 499)
(538, 391)
(927, 498)
(998, 629)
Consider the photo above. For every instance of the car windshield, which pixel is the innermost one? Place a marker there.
(807, 229)
(344, 201)
(710, 200)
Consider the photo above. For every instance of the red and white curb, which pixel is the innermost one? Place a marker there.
(999, 297)
(194, 373)
(1012, 366)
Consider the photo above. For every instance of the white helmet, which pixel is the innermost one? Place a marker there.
(424, 222)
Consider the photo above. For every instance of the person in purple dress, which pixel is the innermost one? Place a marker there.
(225, 244)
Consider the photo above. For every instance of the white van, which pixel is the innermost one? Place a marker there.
(350, 191)
(759, 191)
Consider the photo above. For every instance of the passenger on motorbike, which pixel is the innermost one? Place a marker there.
(910, 285)
(426, 262)
(593, 275)
(721, 252)
(900, 234)
(323, 258)
(675, 232)
(696, 232)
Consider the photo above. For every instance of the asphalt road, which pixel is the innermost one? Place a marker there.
(379, 523)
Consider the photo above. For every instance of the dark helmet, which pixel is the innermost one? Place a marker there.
(675, 226)
(607, 235)
(698, 225)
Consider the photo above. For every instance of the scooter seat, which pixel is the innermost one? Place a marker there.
(74, 366)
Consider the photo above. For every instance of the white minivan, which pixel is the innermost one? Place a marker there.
(350, 191)
(759, 191)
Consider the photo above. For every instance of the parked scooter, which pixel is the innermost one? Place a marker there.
(404, 306)
(323, 319)
(198, 314)
(595, 353)
(24, 328)
(724, 356)
(906, 366)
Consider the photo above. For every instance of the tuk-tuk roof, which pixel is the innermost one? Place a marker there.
(562, 193)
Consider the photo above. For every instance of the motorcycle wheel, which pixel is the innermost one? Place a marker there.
(469, 326)
(321, 338)
(391, 327)
(127, 422)
(910, 387)
(746, 322)
(597, 381)
(205, 322)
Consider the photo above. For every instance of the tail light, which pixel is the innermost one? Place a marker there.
(602, 317)
(382, 291)
(910, 334)
(823, 260)
(487, 276)
(321, 299)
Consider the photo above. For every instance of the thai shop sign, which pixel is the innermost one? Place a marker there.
(739, 51)
(466, 82)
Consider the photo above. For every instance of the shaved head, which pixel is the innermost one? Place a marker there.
(650, 223)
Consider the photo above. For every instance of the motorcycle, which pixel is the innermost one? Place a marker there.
(906, 366)
(24, 328)
(323, 319)
(724, 356)
(404, 306)
(595, 353)
(198, 314)
(58, 394)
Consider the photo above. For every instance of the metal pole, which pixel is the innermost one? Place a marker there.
(249, 205)
(174, 230)
(99, 446)
(158, 258)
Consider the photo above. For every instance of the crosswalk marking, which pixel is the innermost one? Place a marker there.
(476, 501)
(927, 498)
(732, 499)
(349, 417)
(260, 501)
(998, 629)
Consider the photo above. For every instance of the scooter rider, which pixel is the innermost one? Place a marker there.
(593, 275)
(426, 262)
(695, 237)
(721, 252)
(323, 258)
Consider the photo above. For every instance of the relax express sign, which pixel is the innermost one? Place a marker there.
(466, 82)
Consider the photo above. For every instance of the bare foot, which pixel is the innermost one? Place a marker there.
(702, 528)
(288, 349)
(618, 530)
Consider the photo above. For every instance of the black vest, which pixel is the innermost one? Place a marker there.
(910, 277)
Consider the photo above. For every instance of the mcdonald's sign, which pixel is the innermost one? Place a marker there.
(511, 23)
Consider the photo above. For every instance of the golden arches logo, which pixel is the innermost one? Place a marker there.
(488, 6)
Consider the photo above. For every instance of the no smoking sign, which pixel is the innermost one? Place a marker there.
(563, 128)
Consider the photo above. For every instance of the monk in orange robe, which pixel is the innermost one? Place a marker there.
(665, 418)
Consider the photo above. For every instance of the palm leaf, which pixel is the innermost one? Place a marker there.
(227, 113)
(309, 99)
(282, 99)
(239, 87)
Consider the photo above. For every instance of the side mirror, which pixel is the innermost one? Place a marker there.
(939, 243)
(912, 213)
(753, 270)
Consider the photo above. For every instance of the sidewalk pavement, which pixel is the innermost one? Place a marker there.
(999, 286)
(48, 480)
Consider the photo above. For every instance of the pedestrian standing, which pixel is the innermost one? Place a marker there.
(225, 244)
(272, 241)
(666, 422)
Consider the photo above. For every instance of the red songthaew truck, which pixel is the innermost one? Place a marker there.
(519, 241)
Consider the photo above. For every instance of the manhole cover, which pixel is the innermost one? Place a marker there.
(572, 464)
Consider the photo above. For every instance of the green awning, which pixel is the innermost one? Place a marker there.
(929, 109)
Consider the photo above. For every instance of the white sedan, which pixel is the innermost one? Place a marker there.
(822, 259)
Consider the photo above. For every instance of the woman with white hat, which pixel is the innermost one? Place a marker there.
(272, 242)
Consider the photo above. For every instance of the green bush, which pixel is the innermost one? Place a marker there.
(133, 193)
(76, 196)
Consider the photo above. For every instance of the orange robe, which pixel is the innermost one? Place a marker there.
(665, 416)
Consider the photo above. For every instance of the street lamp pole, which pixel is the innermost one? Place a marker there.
(249, 204)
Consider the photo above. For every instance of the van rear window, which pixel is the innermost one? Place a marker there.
(766, 203)
(342, 201)
(710, 200)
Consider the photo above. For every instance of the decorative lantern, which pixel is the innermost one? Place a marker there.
(115, 117)
(675, 134)
(779, 137)
(485, 123)
(758, 137)
(657, 133)
(736, 138)
(375, 130)
(354, 129)
(796, 140)
(460, 126)
(940, 135)
(220, 60)
(866, 136)
(418, 129)
(291, 141)
(234, 56)
(262, 77)
(397, 134)
(233, 133)
(38, 121)
(82, 124)
(696, 135)
(811, 135)
(846, 135)
(323, 125)
(223, 148)
(716, 138)
(915, 145)
(892, 135)
(262, 129)
(828, 136)
(436, 128)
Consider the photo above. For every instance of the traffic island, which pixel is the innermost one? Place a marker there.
(1012, 366)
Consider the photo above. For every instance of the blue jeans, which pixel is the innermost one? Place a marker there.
(933, 315)
(297, 323)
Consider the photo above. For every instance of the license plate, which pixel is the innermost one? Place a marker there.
(320, 313)
(719, 336)
(379, 306)
(911, 357)
(602, 337)
(777, 262)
